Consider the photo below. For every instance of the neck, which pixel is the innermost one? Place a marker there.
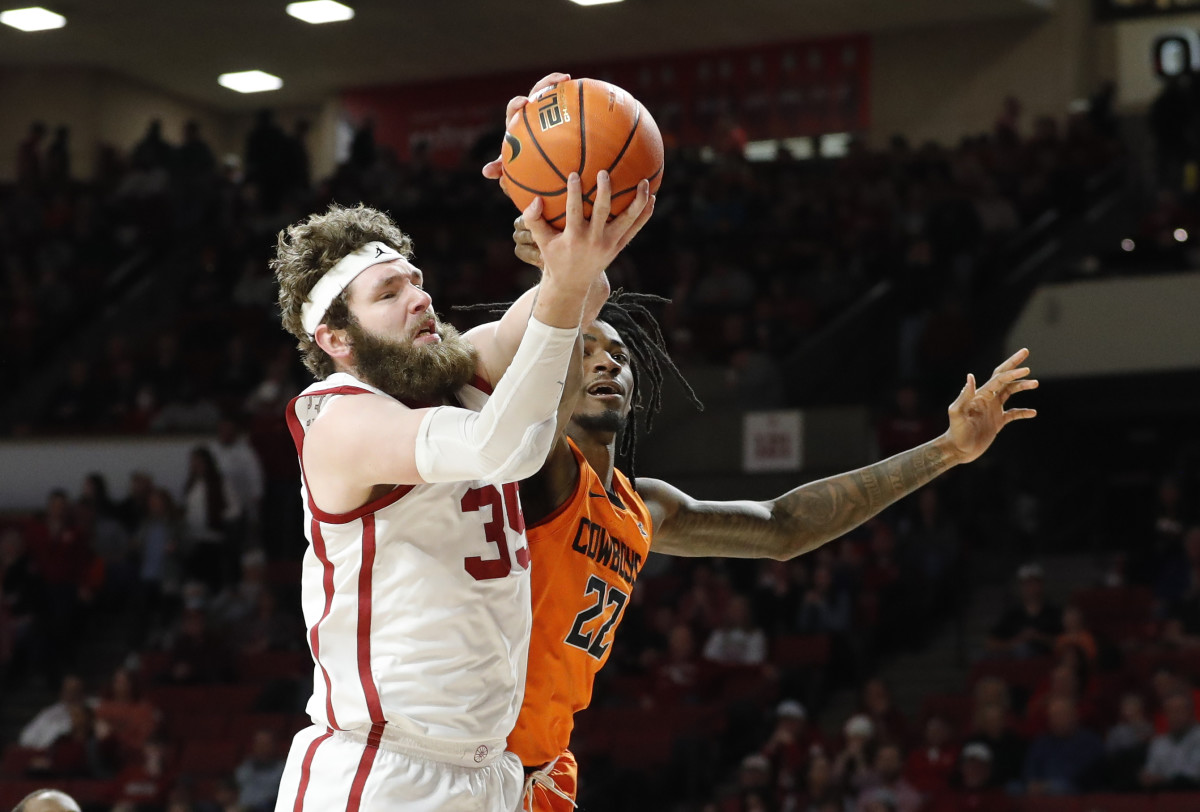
(600, 451)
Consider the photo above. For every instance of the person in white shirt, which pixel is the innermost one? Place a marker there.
(54, 720)
(1173, 761)
(739, 641)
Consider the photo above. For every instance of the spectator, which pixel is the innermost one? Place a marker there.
(1007, 748)
(1127, 742)
(237, 603)
(852, 767)
(131, 718)
(132, 509)
(208, 506)
(1173, 762)
(196, 655)
(826, 607)
(111, 546)
(156, 542)
(258, 775)
(54, 720)
(29, 156)
(890, 722)
(820, 788)
(793, 740)
(739, 641)
(1075, 634)
(978, 792)
(680, 678)
(1060, 762)
(84, 751)
(241, 468)
(887, 785)
(269, 628)
(1030, 629)
(147, 781)
(930, 767)
(20, 590)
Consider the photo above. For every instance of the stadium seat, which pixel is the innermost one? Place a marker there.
(272, 665)
(1176, 802)
(1049, 803)
(1023, 674)
(1111, 802)
(184, 726)
(801, 651)
(15, 761)
(211, 757)
(954, 708)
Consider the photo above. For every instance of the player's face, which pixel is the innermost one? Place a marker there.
(388, 300)
(607, 380)
(399, 345)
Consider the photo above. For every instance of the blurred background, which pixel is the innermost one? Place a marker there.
(863, 201)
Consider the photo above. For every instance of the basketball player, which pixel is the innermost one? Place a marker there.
(590, 529)
(415, 585)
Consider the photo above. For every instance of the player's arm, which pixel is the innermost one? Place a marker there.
(368, 439)
(803, 519)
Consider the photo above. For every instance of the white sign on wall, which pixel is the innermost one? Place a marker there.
(772, 441)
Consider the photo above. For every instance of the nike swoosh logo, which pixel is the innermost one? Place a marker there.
(515, 144)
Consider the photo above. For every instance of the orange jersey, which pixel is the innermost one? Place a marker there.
(585, 558)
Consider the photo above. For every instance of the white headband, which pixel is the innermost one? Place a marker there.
(338, 278)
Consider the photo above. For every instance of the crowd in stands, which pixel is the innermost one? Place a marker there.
(734, 660)
(756, 256)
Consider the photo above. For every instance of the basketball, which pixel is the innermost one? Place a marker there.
(583, 126)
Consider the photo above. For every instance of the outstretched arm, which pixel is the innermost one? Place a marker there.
(803, 519)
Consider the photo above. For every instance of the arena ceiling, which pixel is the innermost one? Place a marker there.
(181, 47)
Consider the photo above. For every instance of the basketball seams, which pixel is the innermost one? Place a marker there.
(530, 189)
(582, 130)
(624, 148)
(532, 137)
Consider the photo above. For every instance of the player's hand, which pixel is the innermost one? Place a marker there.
(494, 170)
(977, 415)
(526, 249)
(579, 253)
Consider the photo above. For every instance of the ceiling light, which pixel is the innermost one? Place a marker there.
(32, 19)
(249, 81)
(320, 11)
(593, 2)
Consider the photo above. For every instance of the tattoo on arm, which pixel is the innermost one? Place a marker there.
(804, 518)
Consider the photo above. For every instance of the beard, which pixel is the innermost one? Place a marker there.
(422, 373)
(606, 421)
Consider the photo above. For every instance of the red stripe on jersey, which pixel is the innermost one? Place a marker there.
(306, 769)
(365, 573)
(297, 432)
(480, 383)
(314, 638)
(360, 778)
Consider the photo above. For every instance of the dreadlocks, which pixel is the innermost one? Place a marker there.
(629, 315)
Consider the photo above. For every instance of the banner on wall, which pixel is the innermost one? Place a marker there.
(772, 441)
(717, 99)
(1127, 9)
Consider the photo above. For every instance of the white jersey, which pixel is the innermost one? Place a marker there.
(417, 604)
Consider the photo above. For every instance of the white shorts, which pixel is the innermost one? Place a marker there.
(333, 770)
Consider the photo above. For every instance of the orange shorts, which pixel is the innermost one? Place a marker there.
(565, 773)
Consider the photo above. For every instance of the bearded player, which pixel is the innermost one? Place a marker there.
(415, 585)
(590, 529)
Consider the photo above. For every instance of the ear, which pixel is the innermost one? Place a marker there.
(335, 343)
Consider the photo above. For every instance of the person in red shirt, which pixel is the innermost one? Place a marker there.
(930, 767)
(975, 794)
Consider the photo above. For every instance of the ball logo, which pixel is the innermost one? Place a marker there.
(480, 753)
(514, 144)
(551, 114)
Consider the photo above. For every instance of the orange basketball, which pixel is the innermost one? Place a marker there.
(583, 126)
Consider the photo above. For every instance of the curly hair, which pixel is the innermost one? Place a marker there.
(304, 252)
